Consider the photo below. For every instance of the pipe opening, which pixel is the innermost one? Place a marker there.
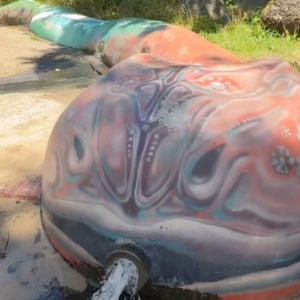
(126, 274)
(122, 276)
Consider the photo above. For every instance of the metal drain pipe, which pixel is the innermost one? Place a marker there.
(133, 254)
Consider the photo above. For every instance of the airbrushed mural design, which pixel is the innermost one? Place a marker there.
(189, 153)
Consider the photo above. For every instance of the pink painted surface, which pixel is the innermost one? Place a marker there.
(28, 188)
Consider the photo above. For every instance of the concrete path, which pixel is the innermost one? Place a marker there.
(37, 81)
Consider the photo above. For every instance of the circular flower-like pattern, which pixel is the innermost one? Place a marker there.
(281, 160)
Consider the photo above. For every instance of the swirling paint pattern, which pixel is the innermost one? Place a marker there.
(189, 159)
(186, 151)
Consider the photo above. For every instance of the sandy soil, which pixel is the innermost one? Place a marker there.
(27, 260)
(25, 129)
(26, 118)
(30, 262)
(18, 50)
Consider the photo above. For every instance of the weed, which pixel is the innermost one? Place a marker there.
(34, 37)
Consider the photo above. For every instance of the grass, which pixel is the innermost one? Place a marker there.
(34, 37)
(245, 35)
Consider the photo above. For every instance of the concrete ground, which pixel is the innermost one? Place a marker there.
(37, 81)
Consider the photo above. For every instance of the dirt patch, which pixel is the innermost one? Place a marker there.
(25, 128)
(28, 262)
(28, 116)
(17, 50)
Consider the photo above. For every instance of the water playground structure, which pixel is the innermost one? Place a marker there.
(181, 158)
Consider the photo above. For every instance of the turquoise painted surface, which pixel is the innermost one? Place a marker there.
(119, 39)
(65, 27)
(85, 33)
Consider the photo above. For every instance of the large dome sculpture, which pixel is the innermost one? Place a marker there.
(196, 166)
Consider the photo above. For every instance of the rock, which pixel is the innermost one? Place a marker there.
(215, 9)
(244, 5)
(283, 15)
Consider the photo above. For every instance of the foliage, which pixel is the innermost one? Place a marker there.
(245, 36)
(229, 3)
(4, 2)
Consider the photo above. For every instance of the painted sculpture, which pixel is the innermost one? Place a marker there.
(183, 150)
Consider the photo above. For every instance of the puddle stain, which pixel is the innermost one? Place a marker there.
(37, 238)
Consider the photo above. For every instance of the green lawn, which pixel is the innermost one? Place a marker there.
(247, 37)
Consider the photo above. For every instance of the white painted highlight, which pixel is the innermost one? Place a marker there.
(73, 16)
(42, 15)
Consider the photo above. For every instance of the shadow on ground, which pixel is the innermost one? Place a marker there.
(60, 63)
(58, 66)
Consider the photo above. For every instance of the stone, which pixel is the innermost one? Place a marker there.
(215, 9)
(283, 15)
